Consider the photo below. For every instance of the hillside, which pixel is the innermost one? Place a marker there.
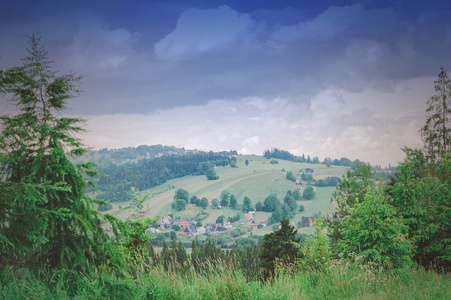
(256, 181)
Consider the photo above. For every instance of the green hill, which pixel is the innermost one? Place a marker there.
(256, 181)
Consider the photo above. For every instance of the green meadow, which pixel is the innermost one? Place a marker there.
(255, 181)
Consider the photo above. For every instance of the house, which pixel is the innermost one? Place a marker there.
(142, 214)
(249, 215)
(254, 225)
(264, 223)
(185, 223)
(201, 230)
(190, 230)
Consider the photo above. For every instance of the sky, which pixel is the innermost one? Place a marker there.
(326, 78)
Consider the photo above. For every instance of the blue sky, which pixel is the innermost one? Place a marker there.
(320, 78)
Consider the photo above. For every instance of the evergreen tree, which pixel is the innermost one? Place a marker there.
(45, 213)
(278, 246)
(373, 230)
(233, 201)
(225, 198)
(436, 133)
(247, 205)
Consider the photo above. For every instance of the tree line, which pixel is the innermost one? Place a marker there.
(144, 174)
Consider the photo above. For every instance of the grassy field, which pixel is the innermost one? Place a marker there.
(339, 281)
(256, 181)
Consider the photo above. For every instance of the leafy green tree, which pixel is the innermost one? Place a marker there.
(278, 246)
(297, 194)
(308, 193)
(374, 231)
(259, 206)
(203, 203)
(220, 219)
(247, 162)
(211, 175)
(286, 210)
(270, 203)
(247, 205)
(173, 235)
(193, 200)
(290, 176)
(179, 205)
(233, 201)
(353, 187)
(278, 214)
(225, 198)
(291, 202)
(301, 208)
(215, 202)
(181, 194)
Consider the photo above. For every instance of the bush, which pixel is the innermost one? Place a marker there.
(308, 193)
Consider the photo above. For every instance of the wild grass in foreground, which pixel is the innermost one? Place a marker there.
(339, 280)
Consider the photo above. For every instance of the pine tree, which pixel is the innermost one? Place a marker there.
(45, 215)
(436, 133)
(278, 246)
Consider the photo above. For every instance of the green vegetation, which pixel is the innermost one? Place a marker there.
(53, 243)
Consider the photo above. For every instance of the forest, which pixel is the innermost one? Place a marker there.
(386, 240)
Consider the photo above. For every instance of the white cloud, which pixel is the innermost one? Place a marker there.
(99, 49)
(337, 20)
(199, 31)
(335, 124)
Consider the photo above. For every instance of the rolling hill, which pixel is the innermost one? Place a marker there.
(256, 181)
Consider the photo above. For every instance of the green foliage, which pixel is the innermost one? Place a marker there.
(436, 133)
(374, 231)
(146, 173)
(316, 252)
(225, 198)
(233, 201)
(424, 203)
(215, 202)
(289, 200)
(296, 194)
(247, 205)
(211, 175)
(220, 219)
(181, 194)
(259, 206)
(271, 203)
(46, 219)
(246, 162)
(203, 203)
(290, 176)
(278, 247)
(106, 207)
(179, 205)
(301, 208)
(309, 193)
(353, 187)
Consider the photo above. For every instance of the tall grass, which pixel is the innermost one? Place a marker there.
(338, 280)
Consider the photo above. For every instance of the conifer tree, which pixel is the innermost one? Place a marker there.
(45, 215)
(278, 246)
(436, 133)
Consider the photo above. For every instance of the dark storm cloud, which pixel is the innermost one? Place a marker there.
(321, 77)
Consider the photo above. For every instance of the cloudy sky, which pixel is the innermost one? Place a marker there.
(327, 78)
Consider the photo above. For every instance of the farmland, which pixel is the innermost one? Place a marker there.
(256, 181)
